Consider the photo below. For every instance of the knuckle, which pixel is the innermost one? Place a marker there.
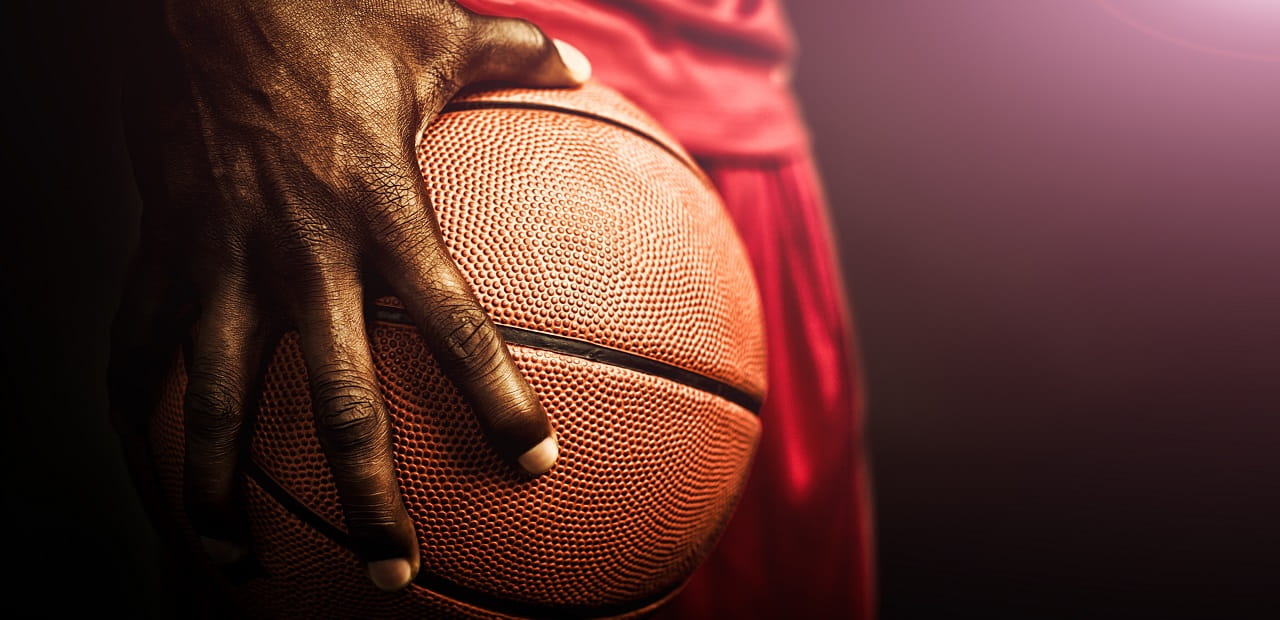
(468, 338)
(511, 32)
(211, 404)
(509, 46)
(350, 415)
(513, 45)
(525, 35)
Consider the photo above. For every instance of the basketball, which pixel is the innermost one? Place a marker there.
(624, 294)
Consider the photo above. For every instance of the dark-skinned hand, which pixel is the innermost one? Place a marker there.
(274, 146)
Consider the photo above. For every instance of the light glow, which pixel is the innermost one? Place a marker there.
(1222, 23)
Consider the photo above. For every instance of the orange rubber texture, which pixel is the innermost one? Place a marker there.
(572, 214)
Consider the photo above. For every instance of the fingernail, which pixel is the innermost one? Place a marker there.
(390, 575)
(578, 65)
(539, 459)
(223, 552)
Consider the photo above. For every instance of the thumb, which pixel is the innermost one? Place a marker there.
(516, 51)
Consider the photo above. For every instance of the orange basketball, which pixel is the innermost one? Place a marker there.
(618, 281)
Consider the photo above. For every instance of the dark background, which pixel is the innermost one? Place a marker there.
(1061, 235)
(1059, 229)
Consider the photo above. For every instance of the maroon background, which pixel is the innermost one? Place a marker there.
(1062, 240)
(1059, 231)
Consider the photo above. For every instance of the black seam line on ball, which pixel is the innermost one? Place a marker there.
(544, 107)
(441, 585)
(582, 349)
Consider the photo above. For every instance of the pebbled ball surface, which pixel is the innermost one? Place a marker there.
(571, 214)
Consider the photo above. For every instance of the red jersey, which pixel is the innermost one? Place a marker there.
(714, 73)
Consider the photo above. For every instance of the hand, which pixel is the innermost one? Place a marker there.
(277, 160)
